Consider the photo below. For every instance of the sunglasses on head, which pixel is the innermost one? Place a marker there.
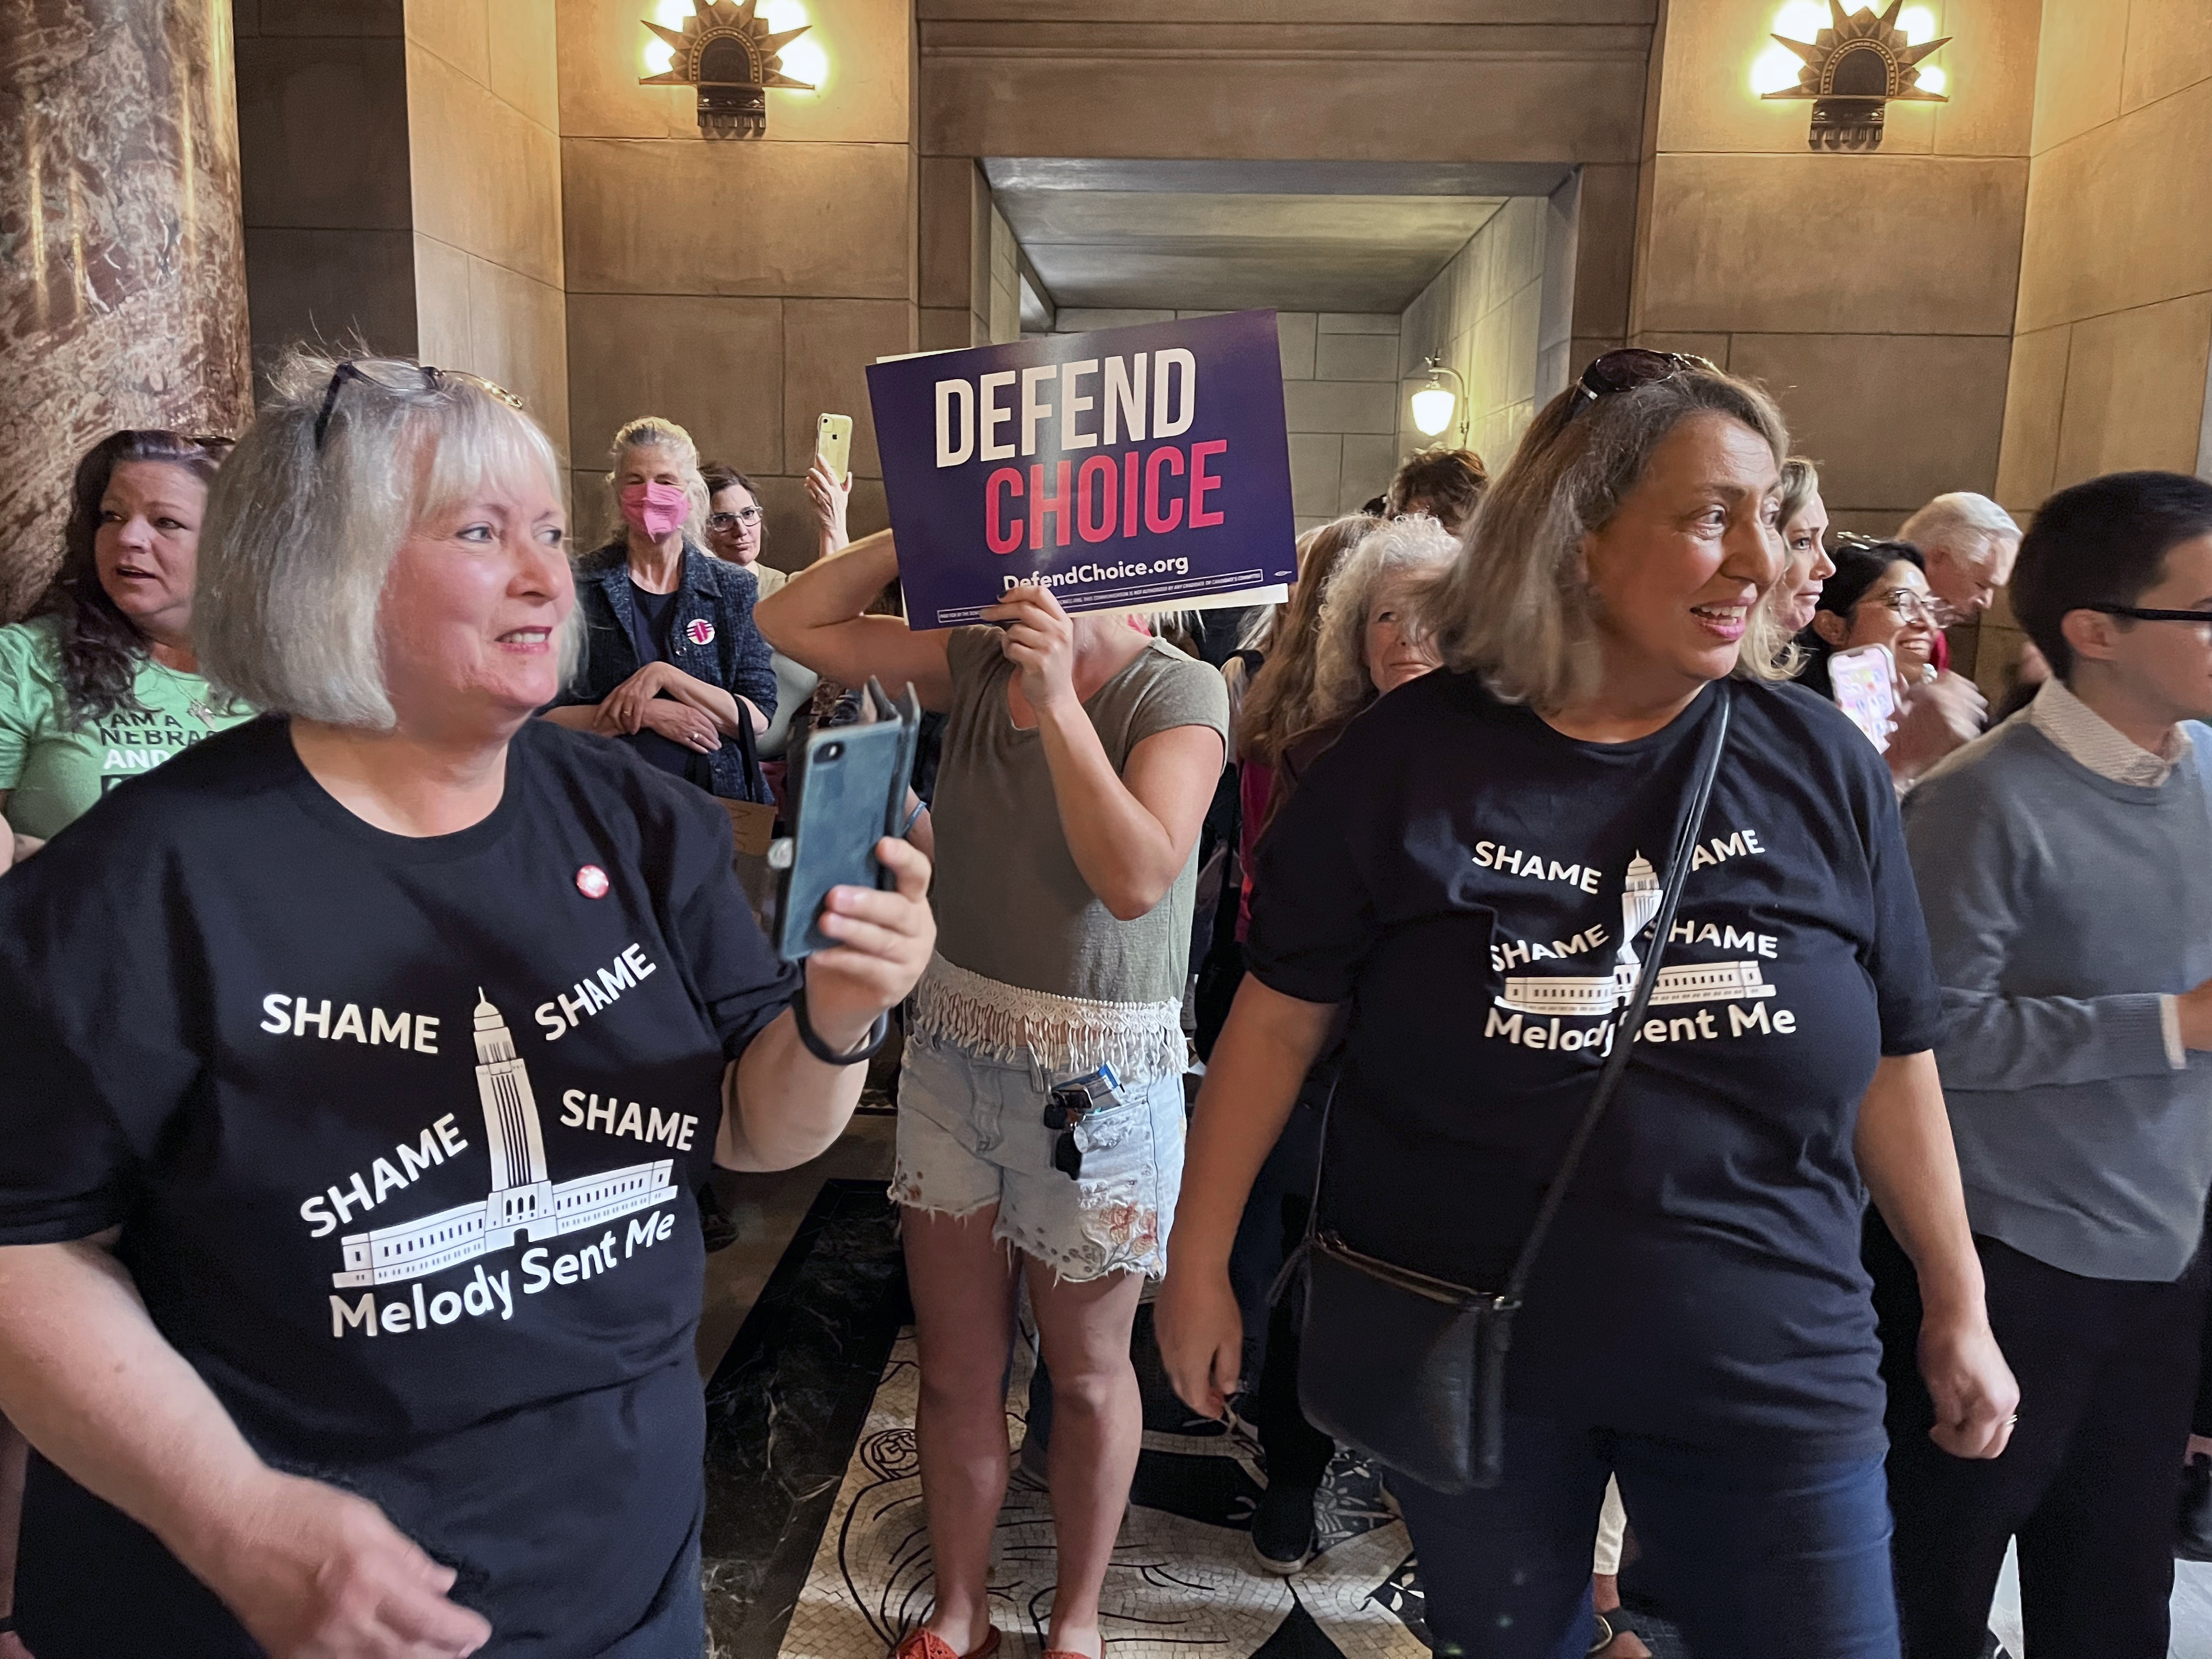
(434, 380)
(1631, 367)
(2138, 613)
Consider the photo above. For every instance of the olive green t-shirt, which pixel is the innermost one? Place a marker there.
(53, 771)
(1011, 904)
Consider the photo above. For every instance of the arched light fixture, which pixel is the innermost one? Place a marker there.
(731, 55)
(1434, 402)
(1853, 70)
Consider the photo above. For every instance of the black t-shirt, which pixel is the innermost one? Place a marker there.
(401, 1135)
(1465, 875)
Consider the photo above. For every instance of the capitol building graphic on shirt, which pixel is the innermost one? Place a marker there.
(1597, 996)
(523, 1206)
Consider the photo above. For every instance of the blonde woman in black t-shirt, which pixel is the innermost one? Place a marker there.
(1474, 881)
(360, 1062)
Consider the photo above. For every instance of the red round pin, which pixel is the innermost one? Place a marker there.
(592, 882)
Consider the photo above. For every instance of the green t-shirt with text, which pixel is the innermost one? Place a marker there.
(54, 770)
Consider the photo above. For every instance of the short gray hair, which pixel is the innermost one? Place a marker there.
(1517, 609)
(1960, 524)
(1413, 546)
(659, 432)
(300, 538)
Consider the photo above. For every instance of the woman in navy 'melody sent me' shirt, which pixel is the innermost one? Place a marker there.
(1475, 873)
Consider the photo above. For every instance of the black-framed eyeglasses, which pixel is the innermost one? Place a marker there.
(2138, 613)
(731, 521)
(434, 380)
(1631, 367)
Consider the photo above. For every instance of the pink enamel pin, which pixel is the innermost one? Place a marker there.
(699, 631)
(592, 882)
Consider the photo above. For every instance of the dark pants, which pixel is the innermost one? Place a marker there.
(2107, 1371)
(1274, 1220)
(1761, 1560)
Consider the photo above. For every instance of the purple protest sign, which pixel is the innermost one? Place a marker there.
(1129, 468)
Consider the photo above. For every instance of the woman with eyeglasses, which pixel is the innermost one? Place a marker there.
(1879, 595)
(102, 684)
(672, 663)
(1472, 882)
(357, 1066)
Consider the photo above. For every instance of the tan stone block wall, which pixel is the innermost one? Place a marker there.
(1480, 318)
(2114, 312)
(485, 193)
(742, 287)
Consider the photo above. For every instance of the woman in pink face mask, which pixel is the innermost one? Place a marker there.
(672, 663)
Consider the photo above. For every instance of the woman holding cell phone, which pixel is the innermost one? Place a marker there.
(1040, 1107)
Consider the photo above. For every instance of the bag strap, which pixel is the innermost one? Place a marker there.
(1631, 1021)
(1616, 1064)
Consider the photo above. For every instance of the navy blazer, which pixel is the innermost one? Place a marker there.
(712, 638)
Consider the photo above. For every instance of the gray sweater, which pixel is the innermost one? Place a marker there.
(2060, 905)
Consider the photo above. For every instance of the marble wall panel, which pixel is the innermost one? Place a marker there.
(343, 289)
(2135, 391)
(443, 333)
(523, 50)
(1893, 420)
(2169, 46)
(323, 122)
(827, 345)
(713, 365)
(1605, 249)
(1731, 244)
(2078, 82)
(487, 177)
(1113, 89)
(124, 299)
(518, 338)
(324, 17)
(1556, 14)
(2035, 397)
(458, 31)
(736, 219)
(2121, 216)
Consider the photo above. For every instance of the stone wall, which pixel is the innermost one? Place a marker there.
(122, 287)
(483, 120)
(740, 287)
(1480, 317)
(1873, 293)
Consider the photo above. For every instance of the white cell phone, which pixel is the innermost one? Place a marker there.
(833, 444)
(1865, 682)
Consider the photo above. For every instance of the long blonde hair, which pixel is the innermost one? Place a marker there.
(1279, 705)
(1518, 610)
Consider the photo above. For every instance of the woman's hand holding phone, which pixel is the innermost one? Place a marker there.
(883, 941)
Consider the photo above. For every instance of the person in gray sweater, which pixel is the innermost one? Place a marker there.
(2062, 864)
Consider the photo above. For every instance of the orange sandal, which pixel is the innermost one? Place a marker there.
(920, 1644)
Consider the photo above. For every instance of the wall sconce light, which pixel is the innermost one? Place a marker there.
(725, 50)
(1853, 70)
(1434, 402)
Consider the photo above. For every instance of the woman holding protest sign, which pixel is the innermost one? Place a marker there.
(1040, 1110)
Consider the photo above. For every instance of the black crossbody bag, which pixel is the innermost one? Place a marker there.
(1408, 1369)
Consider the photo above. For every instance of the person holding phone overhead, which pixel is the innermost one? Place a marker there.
(1040, 1107)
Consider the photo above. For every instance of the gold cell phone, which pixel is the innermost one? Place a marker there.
(833, 444)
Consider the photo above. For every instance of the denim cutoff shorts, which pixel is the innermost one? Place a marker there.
(971, 1133)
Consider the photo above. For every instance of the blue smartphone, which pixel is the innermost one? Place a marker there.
(851, 783)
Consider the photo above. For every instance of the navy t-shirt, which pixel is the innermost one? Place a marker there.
(401, 1135)
(1481, 888)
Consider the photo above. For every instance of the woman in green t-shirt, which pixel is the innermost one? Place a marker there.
(101, 684)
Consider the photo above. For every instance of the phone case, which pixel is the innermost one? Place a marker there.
(1865, 682)
(833, 442)
(852, 788)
